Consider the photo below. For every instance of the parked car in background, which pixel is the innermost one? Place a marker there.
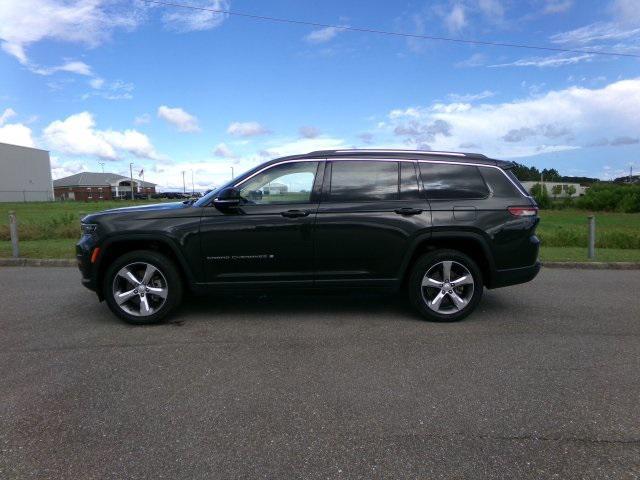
(438, 226)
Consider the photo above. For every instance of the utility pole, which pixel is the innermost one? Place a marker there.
(193, 185)
(184, 185)
(131, 174)
(101, 165)
(232, 175)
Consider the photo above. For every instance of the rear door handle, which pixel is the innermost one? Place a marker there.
(295, 213)
(408, 211)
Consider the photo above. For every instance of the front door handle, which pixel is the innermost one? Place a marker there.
(295, 213)
(408, 211)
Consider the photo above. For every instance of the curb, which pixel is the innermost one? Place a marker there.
(594, 265)
(38, 262)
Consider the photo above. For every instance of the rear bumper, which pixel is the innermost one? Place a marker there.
(514, 276)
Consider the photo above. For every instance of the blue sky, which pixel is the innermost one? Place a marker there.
(170, 89)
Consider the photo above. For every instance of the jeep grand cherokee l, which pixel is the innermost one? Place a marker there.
(438, 226)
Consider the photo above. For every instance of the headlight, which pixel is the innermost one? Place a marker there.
(88, 228)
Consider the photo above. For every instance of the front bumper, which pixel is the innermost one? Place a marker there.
(84, 249)
(514, 276)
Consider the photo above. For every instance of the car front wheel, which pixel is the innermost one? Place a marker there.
(142, 287)
(445, 285)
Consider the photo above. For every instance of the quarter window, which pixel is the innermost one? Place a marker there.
(442, 180)
(357, 181)
(286, 183)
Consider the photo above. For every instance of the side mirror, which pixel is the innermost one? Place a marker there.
(229, 197)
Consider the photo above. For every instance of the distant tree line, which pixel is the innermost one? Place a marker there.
(525, 173)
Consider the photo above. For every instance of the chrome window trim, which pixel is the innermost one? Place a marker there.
(391, 150)
(353, 159)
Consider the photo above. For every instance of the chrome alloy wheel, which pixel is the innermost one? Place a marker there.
(447, 287)
(140, 289)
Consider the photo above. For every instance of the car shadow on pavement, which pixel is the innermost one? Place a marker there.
(311, 306)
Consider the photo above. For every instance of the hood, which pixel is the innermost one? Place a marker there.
(141, 208)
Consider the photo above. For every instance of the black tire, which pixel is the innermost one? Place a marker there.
(168, 274)
(419, 295)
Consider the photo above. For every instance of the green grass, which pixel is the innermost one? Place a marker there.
(50, 230)
(52, 248)
(578, 254)
(47, 220)
(568, 228)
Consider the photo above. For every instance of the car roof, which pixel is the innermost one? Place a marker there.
(465, 157)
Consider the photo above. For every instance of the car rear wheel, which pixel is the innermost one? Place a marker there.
(445, 285)
(142, 287)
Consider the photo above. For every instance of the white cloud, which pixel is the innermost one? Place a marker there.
(142, 119)
(77, 135)
(61, 169)
(309, 131)
(16, 134)
(90, 22)
(456, 20)
(551, 61)
(96, 83)
(116, 90)
(6, 115)
(182, 120)
(323, 35)
(626, 11)
(557, 120)
(246, 129)
(133, 142)
(222, 150)
(557, 6)
(470, 97)
(491, 8)
(595, 32)
(283, 148)
(475, 60)
(77, 67)
(184, 20)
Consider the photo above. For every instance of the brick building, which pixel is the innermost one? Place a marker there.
(89, 186)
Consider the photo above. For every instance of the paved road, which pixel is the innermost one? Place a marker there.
(542, 382)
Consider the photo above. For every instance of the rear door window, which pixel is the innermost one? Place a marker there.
(363, 180)
(408, 181)
(444, 181)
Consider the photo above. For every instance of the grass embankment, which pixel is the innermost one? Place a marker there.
(50, 230)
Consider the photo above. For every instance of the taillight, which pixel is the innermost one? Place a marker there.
(523, 211)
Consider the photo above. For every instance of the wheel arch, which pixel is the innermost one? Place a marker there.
(470, 243)
(116, 246)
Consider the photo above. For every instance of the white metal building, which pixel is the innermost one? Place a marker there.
(25, 174)
(580, 189)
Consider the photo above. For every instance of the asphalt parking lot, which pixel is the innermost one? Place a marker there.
(542, 382)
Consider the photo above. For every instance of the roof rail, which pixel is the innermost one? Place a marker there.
(396, 151)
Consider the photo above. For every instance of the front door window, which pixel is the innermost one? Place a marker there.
(286, 183)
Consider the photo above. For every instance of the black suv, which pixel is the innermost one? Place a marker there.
(440, 226)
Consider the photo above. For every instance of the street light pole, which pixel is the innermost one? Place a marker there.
(193, 185)
(232, 175)
(131, 173)
(184, 185)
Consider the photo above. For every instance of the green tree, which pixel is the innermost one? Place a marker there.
(541, 195)
(551, 175)
(556, 190)
(571, 190)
